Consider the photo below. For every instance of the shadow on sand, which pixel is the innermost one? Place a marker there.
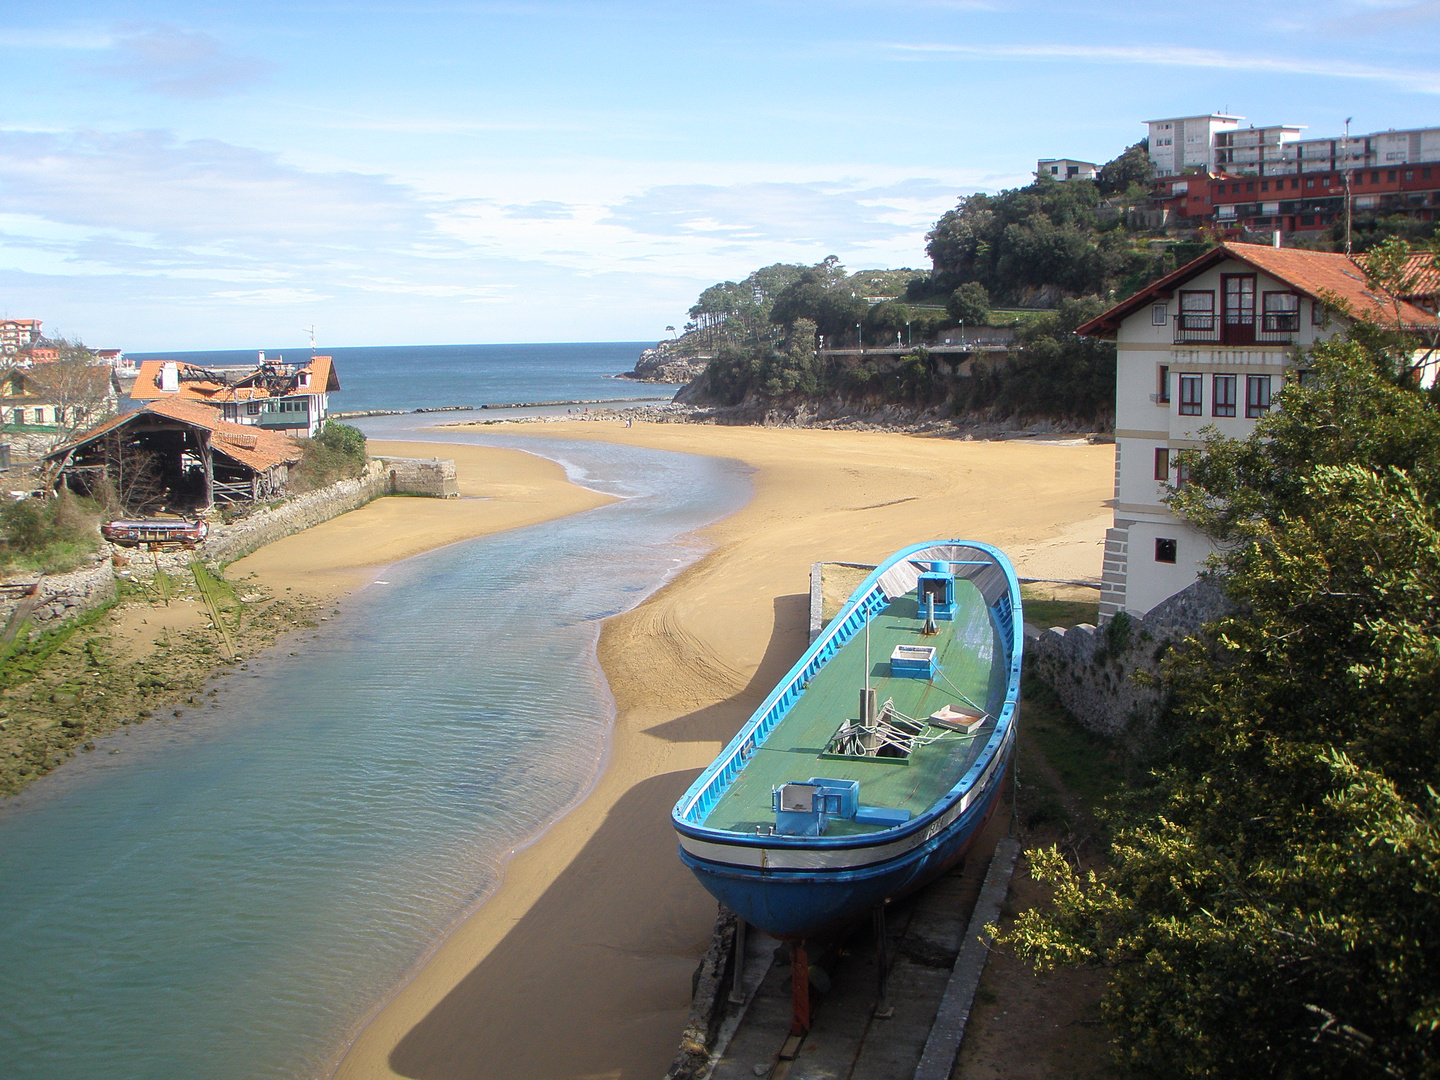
(594, 980)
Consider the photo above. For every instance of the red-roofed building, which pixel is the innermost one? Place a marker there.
(284, 397)
(1211, 344)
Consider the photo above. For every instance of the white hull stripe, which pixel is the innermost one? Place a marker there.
(810, 858)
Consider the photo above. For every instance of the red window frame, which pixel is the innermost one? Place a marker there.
(1192, 395)
(1257, 395)
(1222, 397)
(1162, 463)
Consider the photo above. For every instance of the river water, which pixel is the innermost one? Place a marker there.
(231, 892)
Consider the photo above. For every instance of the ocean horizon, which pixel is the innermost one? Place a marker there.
(408, 377)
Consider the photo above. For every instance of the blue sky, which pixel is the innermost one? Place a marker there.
(221, 175)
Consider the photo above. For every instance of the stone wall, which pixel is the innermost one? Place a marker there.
(1093, 670)
(69, 594)
(422, 476)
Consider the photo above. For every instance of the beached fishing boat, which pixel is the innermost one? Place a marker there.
(157, 532)
(875, 762)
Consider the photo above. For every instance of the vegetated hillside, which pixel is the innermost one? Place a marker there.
(1037, 261)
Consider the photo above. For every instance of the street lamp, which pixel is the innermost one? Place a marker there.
(908, 339)
(859, 339)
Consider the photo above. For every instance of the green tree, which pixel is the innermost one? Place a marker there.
(969, 303)
(1131, 167)
(1269, 905)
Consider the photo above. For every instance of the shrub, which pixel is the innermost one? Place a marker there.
(336, 453)
(50, 536)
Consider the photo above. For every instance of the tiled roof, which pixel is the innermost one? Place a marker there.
(255, 448)
(1319, 275)
(323, 379)
(1423, 268)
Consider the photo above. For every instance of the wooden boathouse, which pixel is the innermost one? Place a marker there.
(176, 456)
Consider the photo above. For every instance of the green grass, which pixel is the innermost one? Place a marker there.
(1047, 613)
(1086, 764)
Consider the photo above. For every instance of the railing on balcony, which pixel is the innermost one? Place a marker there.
(1273, 329)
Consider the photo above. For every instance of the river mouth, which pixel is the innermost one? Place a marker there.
(231, 893)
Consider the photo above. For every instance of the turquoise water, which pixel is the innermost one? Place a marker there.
(234, 891)
(433, 376)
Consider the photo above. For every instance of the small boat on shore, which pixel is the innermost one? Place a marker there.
(157, 532)
(875, 762)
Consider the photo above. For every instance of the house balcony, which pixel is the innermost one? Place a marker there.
(1241, 332)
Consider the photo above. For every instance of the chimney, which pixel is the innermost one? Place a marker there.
(1275, 239)
(170, 377)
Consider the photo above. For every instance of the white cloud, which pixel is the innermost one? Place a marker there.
(1171, 56)
(182, 63)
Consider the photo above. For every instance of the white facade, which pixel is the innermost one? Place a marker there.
(1253, 151)
(1174, 375)
(1186, 142)
(1066, 169)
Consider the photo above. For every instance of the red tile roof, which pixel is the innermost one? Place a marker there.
(323, 379)
(1320, 275)
(253, 447)
(1423, 271)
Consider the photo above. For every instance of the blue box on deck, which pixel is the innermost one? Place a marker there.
(913, 662)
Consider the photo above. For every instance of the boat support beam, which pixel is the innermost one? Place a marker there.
(883, 1009)
(799, 989)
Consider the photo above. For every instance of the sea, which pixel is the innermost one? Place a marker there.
(406, 377)
(231, 892)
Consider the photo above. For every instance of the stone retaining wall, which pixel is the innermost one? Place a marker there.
(1093, 670)
(64, 595)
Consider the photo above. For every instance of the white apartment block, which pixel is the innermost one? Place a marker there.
(1210, 344)
(1186, 142)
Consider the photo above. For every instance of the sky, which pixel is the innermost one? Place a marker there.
(217, 175)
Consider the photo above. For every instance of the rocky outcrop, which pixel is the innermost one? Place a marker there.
(665, 364)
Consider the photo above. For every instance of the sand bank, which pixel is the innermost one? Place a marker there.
(579, 964)
(499, 490)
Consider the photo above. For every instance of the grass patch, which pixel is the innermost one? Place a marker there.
(1088, 766)
(1043, 608)
(47, 536)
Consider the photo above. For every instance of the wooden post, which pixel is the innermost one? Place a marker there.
(883, 1008)
(207, 461)
(799, 989)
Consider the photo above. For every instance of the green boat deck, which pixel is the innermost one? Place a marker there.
(969, 656)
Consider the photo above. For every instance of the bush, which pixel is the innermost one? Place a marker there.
(48, 537)
(336, 453)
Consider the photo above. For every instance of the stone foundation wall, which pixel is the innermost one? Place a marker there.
(422, 476)
(1093, 670)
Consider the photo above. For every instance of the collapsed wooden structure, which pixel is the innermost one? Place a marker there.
(178, 456)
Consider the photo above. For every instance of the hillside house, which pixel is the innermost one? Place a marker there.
(65, 394)
(18, 334)
(289, 398)
(1210, 344)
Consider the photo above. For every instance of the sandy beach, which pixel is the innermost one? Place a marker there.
(579, 964)
(499, 489)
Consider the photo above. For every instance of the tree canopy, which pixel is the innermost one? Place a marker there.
(1269, 905)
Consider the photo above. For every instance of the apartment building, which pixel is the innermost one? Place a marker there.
(1186, 143)
(1210, 344)
(18, 334)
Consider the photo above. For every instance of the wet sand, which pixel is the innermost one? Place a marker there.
(579, 964)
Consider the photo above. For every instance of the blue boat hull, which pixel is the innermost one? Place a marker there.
(793, 904)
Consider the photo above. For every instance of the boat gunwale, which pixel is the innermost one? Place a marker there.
(861, 599)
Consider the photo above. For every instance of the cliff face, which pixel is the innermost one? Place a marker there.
(662, 364)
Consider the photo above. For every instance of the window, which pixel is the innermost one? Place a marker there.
(1257, 395)
(1264, 185)
(1280, 312)
(1223, 401)
(1391, 176)
(1409, 174)
(1164, 550)
(252, 408)
(1424, 174)
(1234, 189)
(1294, 183)
(1162, 464)
(1310, 181)
(1157, 315)
(1182, 474)
(1191, 393)
(1318, 315)
(1163, 384)
(1374, 178)
(1250, 186)
(1197, 311)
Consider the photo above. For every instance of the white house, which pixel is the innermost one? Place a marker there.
(1066, 169)
(1210, 344)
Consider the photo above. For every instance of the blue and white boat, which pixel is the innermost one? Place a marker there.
(875, 762)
